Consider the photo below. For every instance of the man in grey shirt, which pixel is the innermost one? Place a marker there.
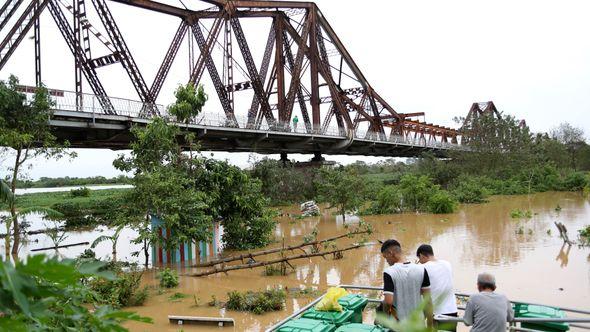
(405, 284)
(488, 311)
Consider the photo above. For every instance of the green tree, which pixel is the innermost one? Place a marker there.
(45, 294)
(238, 202)
(189, 102)
(573, 139)
(163, 187)
(341, 188)
(25, 129)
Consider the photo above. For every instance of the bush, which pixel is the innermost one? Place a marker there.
(257, 302)
(469, 190)
(168, 278)
(125, 291)
(389, 200)
(441, 202)
(80, 192)
(574, 181)
(91, 212)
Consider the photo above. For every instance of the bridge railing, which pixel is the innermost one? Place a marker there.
(66, 101)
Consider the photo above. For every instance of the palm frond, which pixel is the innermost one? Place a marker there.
(47, 212)
(99, 240)
(5, 192)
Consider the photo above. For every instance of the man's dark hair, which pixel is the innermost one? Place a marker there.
(425, 249)
(388, 244)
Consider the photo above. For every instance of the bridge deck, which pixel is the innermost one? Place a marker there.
(96, 130)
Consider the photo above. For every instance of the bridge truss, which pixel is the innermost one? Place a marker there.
(304, 69)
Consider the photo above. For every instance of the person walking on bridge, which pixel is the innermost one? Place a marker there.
(488, 311)
(295, 121)
(441, 285)
(404, 284)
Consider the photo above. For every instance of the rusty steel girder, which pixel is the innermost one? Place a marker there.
(305, 70)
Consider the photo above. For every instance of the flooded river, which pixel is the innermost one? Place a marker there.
(532, 266)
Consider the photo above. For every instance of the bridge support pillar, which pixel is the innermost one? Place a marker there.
(284, 158)
(317, 157)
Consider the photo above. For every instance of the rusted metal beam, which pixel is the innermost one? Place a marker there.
(168, 59)
(272, 36)
(157, 7)
(301, 42)
(252, 71)
(314, 72)
(213, 73)
(80, 55)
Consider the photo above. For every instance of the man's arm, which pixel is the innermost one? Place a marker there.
(510, 313)
(468, 316)
(425, 291)
(388, 290)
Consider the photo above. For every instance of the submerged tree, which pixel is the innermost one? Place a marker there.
(341, 188)
(25, 130)
(188, 192)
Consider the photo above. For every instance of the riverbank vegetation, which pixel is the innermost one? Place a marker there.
(504, 158)
(95, 207)
(45, 182)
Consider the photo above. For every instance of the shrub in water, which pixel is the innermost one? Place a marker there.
(575, 181)
(125, 291)
(441, 202)
(168, 278)
(469, 190)
(389, 200)
(518, 213)
(80, 192)
(256, 302)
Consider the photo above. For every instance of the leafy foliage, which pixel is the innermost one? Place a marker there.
(189, 102)
(284, 184)
(168, 278)
(341, 188)
(189, 192)
(24, 128)
(413, 193)
(45, 294)
(257, 302)
(123, 291)
(237, 200)
(80, 192)
(441, 202)
(519, 214)
(469, 190)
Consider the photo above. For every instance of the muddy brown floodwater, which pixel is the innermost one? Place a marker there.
(531, 267)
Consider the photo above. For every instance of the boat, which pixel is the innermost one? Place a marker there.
(529, 317)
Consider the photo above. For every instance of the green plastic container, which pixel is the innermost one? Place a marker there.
(356, 303)
(335, 317)
(355, 327)
(536, 311)
(307, 325)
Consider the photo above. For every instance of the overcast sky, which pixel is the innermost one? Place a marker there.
(532, 58)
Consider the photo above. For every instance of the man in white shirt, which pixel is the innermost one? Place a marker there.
(404, 283)
(441, 285)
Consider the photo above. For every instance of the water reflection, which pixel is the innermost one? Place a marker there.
(563, 257)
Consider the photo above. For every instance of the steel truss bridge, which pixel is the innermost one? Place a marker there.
(304, 71)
